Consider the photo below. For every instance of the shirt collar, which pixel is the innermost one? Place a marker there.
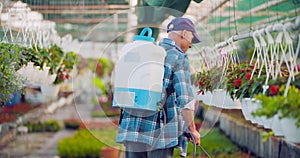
(170, 42)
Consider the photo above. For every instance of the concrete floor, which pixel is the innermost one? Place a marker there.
(43, 145)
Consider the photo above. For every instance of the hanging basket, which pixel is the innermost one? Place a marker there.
(218, 97)
(276, 126)
(248, 108)
(231, 104)
(14, 100)
(206, 98)
(290, 130)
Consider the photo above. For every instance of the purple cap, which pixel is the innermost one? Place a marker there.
(179, 23)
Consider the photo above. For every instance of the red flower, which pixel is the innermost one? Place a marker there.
(202, 84)
(251, 82)
(237, 83)
(248, 76)
(99, 69)
(67, 76)
(62, 76)
(274, 90)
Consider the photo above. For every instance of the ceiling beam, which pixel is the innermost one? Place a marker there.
(259, 13)
(85, 20)
(42, 7)
(207, 16)
(79, 11)
(247, 13)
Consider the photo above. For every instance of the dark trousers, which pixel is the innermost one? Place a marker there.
(140, 150)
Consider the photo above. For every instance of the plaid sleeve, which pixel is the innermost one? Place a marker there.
(182, 81)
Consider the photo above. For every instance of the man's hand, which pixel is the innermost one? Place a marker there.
(188, 117)
(196, 136)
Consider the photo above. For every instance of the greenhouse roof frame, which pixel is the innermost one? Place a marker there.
(221, 18)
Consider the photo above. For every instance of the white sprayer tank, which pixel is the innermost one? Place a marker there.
(139, 74)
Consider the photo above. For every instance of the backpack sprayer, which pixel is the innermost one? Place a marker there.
(139, 74)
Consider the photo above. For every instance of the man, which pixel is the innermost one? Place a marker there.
(156, 135)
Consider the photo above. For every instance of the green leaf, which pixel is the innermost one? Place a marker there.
(100, 84)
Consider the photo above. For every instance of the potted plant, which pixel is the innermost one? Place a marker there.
(240, 84)
(36, 56)
(67, 65)
(110, 152)
(60, 64)
(286, 107)
(207, 82)
(103, 71)
(202, 83)
(243, 82)
(103, 68)
(10, 82)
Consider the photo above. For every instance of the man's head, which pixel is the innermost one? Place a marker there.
(180, 24)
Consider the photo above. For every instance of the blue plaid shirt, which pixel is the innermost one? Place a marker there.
(162, 129)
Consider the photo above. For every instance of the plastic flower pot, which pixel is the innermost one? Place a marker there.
(290, 131)
(276, 126)
(231, 104)
(207, 97)
(110, 152)
(218, 98)
(248, 108)
(262, 120)
(50, 91)
(14, 100)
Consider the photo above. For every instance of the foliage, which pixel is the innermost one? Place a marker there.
(239, 83)
(14, 56)
(84, 143)
(55, 58)
(47, 126)
(286, 107)
(10, 82)
(100, 84)
(103, 68)
(209, 80)
(60, 63)
(36, 56)
(274, 85)
(52, 126)
(35, 127)
(266, 135)
(63, 72)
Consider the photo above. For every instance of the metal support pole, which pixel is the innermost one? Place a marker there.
(288, 26)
